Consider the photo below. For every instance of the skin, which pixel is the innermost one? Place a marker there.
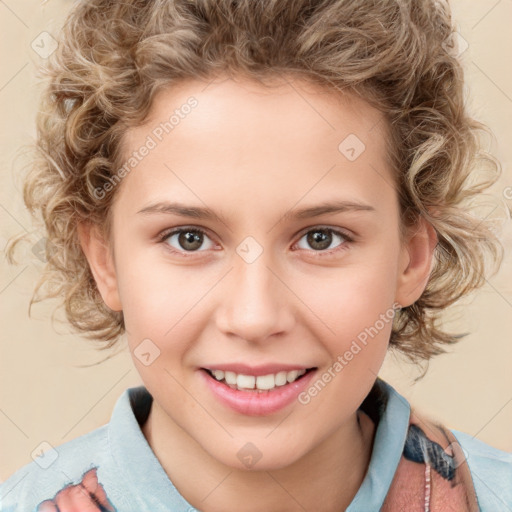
(252, 154)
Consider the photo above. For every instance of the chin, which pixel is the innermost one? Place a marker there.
(250, 458)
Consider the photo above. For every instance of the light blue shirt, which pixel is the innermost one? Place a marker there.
(134, 480)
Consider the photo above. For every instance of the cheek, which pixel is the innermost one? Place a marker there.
(161, 306)
(357, 318)
(156, 294)
(352, 298)
(355, 308)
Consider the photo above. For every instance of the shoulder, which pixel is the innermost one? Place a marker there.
(488, 469)
(491, 470)
(55, 469)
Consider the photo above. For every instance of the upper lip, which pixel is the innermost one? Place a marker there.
(264, 369)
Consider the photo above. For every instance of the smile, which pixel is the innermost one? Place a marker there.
(259, 383)
(256, 395)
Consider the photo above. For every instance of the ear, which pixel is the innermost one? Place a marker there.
(101, 262)
(415, 262)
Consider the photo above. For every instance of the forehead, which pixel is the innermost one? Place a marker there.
(292, 103)
(290, 139)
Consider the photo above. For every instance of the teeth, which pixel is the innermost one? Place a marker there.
(230, 378)
(218, 374)
(266, 382)
(262, 382)
(245, 381)
(291, 376)
(280, 378)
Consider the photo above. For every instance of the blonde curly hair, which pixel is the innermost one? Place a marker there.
(114, 56)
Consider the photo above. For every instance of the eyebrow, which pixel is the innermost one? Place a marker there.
(198, 212)
(328, 207)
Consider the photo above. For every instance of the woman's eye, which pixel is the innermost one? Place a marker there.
(186, 239)
(322, 239)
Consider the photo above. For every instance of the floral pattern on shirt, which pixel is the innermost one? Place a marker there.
(88, 495)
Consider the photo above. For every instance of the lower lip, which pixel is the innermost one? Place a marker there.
(251, 402)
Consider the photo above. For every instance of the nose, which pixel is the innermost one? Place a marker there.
(255, 302)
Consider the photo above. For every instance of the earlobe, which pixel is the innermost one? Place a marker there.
(416, 262)
(100, 260)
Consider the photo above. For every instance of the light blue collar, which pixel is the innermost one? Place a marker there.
(388, 445)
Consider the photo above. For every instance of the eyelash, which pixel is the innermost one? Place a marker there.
(320, 254)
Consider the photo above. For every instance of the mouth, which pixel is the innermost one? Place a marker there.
(259, 383)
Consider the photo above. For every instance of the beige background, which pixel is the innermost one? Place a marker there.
(45, 396)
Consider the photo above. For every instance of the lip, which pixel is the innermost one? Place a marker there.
(253, 403)
(256, 371)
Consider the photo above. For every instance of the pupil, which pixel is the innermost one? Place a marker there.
(320, 237)
(190, 237)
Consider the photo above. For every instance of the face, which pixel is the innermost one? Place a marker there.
(225, 253)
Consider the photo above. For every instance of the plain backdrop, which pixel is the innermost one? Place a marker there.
(46, 397)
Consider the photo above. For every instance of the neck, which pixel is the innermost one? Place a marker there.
(333, 471)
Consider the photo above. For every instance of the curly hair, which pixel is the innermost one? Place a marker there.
(113, 57)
